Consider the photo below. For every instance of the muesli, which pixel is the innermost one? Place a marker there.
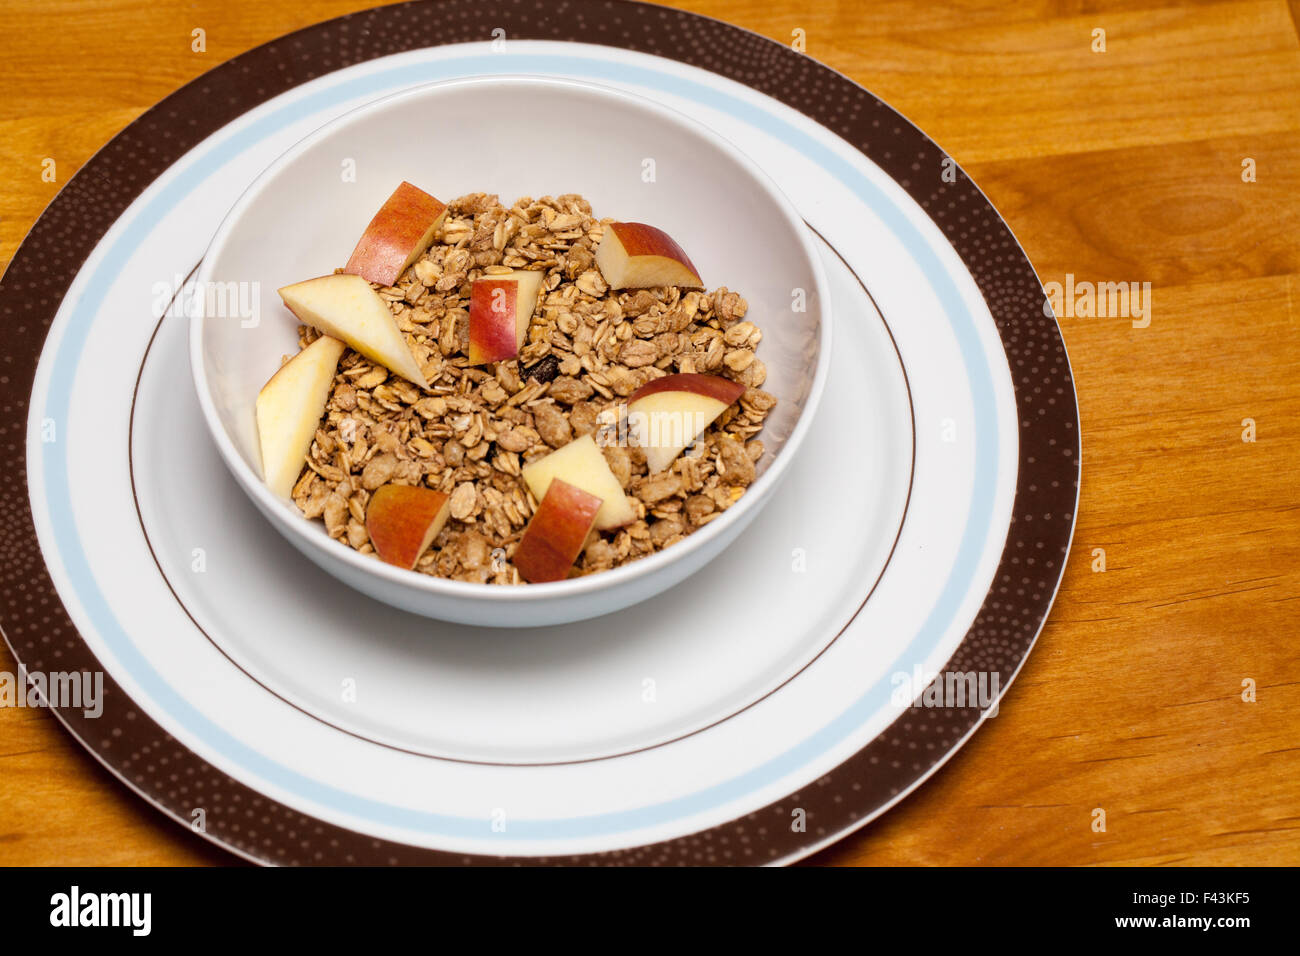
(514, 394)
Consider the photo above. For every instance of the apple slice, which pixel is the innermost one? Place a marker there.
(632, 255)
(500, 308)
(666, 414)
(555, 536)
(397, 236)
(288, 409)
(345, 307)
(581, 464)
(403, 520)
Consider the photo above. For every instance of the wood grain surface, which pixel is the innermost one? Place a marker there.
(1123, 165)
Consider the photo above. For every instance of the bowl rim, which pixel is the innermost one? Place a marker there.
(276, 508)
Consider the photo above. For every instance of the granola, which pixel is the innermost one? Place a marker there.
(588, 348)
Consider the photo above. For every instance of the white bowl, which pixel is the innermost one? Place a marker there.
(515, 136)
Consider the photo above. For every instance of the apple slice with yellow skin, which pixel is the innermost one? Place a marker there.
(632, 255)
(667, 414)
(403, 520)
(398, 235)
(581, 464)
(555, 535)
(288, 409)
(500, 309)
(345, 307)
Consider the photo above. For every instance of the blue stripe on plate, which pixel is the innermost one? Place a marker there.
(941, 616)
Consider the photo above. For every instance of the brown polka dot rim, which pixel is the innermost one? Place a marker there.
(42, 636)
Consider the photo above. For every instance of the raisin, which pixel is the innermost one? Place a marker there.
(545, 369)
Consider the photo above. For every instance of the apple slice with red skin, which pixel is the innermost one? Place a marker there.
(403, 520)
(346, 307)
(289, 409)
(500, 309)
(667, 414)
(398, 235)
(556, 534)
(581, 464)
(632, 255)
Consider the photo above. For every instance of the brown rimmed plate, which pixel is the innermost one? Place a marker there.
(294, 724)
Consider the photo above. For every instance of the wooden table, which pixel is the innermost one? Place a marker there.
(1122, 165)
